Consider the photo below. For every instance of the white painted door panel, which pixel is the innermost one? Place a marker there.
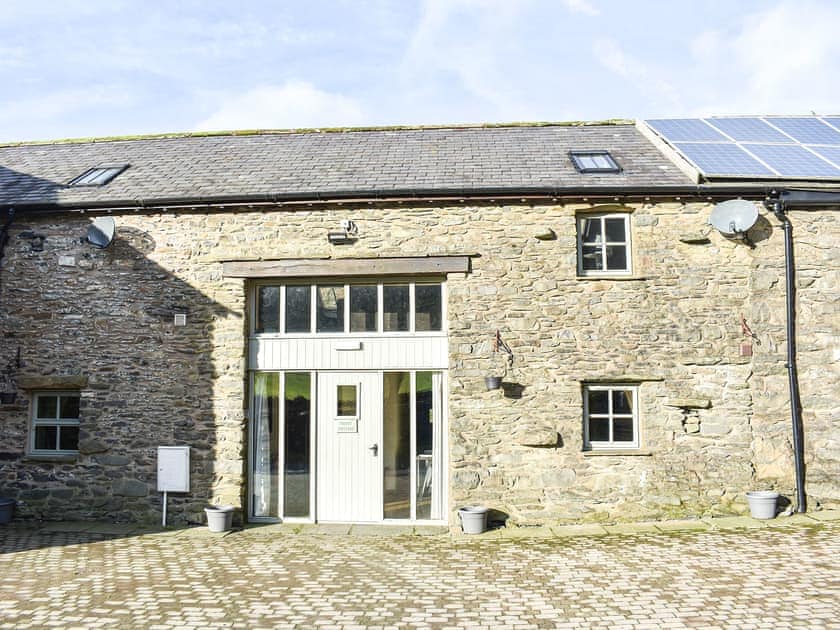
(349, 486)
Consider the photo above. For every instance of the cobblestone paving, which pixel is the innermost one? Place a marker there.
(771, 577)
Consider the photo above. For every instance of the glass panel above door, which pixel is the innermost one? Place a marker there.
(363, 308)
(298, 313)
(329, 314)
(331, 308)
(395, 299)
(428, 307)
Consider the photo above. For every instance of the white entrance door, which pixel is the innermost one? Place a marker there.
(349, 456)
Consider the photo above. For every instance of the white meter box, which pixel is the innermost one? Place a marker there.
(173, 472)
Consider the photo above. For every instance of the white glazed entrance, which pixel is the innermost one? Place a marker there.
(348, 427)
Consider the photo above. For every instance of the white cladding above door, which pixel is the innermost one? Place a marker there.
(350, 353)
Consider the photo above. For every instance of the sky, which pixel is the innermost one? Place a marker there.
(82, 68)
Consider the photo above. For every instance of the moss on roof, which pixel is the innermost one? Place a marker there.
(261, 132)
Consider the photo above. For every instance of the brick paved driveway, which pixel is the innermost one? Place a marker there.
(780, 576)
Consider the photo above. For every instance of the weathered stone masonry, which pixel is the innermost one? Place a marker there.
(713, 423)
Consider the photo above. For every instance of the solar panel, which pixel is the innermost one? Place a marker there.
(780, 147)
(722, 159)
(685, 129)
(833, 120)
(830, 153)
(791, 160)
(748, 130)
(807, 130)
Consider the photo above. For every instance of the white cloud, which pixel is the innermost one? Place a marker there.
(640, 75)
(784, 59)
(295, 104)
(581, 6)
(467, 44)
(64, 102)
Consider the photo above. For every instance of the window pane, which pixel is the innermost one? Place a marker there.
(268, 310)
(427, 298)
(266, 413)
(396, 447)
(330, 309)
(298, 305)
(47, 407)
(592, 257)
(623, 429)
(46, 438)
(615, 230)
(623, 401)
(69, 407)
(395, 298)
(617, 257)
(69, 438)
(591, 232)
(601, 161)
(599, 430)
(296, 474)
(424, 440)
(363, 308)
(598, 401)
(346, 405)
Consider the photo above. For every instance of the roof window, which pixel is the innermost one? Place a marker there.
(99, 175)
(594, 162)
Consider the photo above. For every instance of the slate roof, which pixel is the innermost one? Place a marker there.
(331, 165)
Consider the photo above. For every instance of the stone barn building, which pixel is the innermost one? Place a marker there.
(318, 316)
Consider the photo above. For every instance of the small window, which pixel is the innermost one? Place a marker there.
(98, 176)
(55, 422)
(604, 244)
(610, 417)
(594, 162)
(347, 401)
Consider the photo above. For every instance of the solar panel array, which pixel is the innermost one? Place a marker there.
(780, 147)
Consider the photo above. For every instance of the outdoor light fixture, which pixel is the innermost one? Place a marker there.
(349, 234)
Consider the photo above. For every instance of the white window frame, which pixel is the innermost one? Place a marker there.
(611, 444)
(57, 422)
(627, 243)
(380, 324)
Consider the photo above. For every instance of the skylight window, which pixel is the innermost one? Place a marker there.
(99, 175)
(594, 162)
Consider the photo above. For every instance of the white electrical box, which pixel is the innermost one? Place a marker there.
(173, 470)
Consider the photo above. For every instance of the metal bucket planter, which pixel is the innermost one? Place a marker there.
(219, 517)
(473, 519)
(762, 504)
(492, 382)
(7, 510)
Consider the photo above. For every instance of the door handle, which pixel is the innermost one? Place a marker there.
(374, 448)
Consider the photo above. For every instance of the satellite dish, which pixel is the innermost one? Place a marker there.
(734, 217)
(101, 232)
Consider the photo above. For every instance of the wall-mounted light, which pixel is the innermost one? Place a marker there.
(349, 234)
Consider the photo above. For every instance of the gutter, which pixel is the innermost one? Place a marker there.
(601, 194)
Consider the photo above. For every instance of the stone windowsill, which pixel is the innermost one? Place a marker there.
(619, 452)
(611, 277)
(53, 459)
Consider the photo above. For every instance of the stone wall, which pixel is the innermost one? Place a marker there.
(713, 423)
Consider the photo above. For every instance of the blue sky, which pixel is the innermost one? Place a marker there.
(94, 68)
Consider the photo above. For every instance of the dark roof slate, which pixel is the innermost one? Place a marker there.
(316, 165)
